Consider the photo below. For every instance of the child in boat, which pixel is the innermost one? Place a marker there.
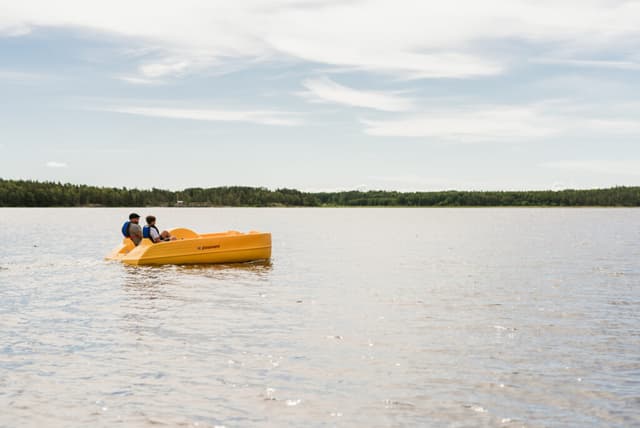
(151, 231)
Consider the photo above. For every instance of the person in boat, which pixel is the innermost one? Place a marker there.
(151, 231)
(131, 229)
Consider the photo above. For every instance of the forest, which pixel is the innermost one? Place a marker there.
(29, 193)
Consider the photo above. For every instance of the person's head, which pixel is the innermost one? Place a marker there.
(134, 218)
(150, 219)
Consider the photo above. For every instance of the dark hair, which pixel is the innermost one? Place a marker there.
(150, 219)
(133, 215)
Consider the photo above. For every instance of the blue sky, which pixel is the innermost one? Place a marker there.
(322, 94)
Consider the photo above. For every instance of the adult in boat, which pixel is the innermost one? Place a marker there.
(151, 231)
(131, 229)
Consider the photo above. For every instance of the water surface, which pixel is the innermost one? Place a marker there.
(364, 317)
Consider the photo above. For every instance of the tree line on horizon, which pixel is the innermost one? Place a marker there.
(29, 193)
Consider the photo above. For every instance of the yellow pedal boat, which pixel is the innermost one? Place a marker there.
(192, 248)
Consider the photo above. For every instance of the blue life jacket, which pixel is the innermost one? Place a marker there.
(146, 232)
(125, 229)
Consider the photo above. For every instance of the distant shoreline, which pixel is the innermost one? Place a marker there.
(391, 207)
(28, 193)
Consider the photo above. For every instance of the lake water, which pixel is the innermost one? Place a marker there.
(363, 317)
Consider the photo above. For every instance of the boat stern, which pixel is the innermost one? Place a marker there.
(121, 250)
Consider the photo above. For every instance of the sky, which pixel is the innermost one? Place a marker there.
(322, 95)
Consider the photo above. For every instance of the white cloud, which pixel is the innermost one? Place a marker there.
(163, 69)
(54, 164)
(134, 80)
(621, 65)
(13, 30)
(482, 124)
(513, 123)
(409, 38)
(326, 90)
(613, 167)
(263, 117)
(615, 126)
(407, 64)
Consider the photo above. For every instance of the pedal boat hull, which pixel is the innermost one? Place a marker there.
(192, 248)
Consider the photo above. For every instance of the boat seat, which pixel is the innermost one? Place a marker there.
(183, 233)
